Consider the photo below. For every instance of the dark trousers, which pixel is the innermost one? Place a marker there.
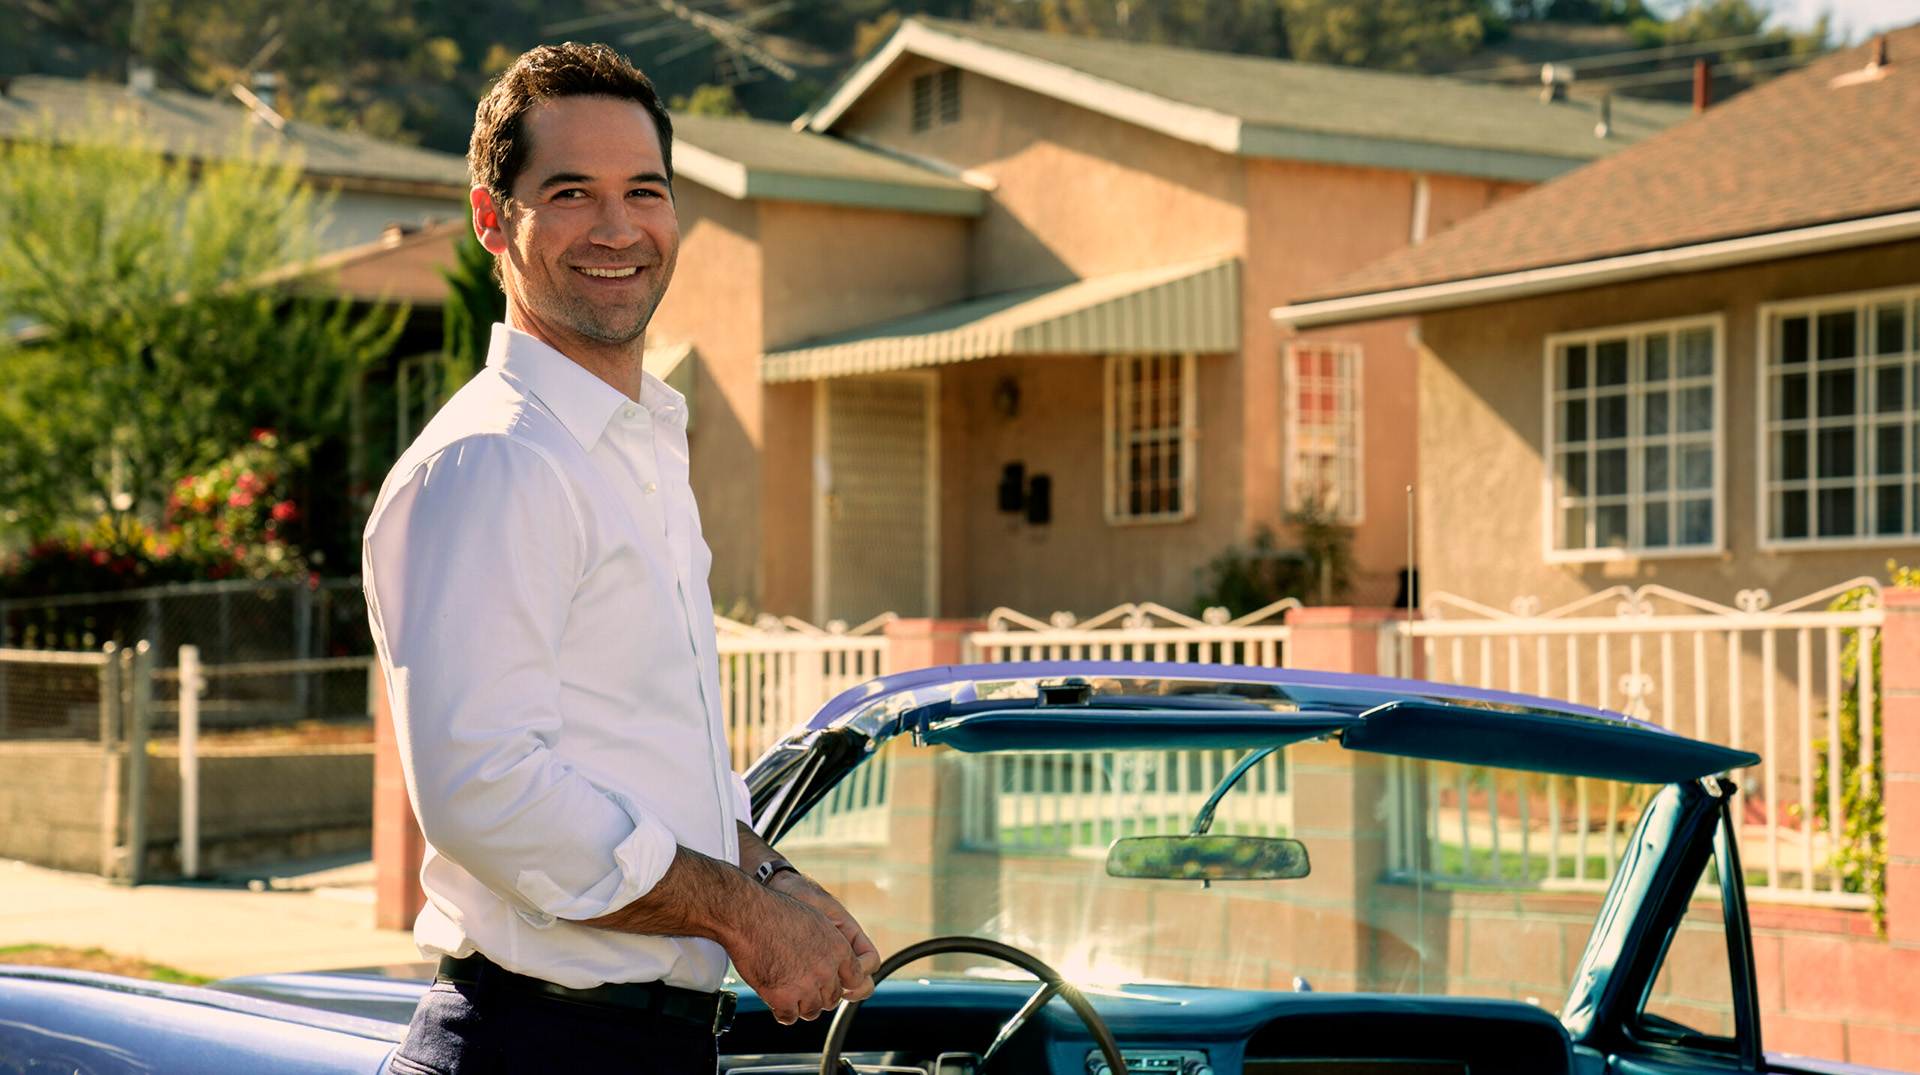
(473, 1030)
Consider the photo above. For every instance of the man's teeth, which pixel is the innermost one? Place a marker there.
(611, 274)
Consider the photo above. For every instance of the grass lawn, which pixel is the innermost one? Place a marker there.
(95, 959)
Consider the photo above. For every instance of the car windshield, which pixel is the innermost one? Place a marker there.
(1425, 876)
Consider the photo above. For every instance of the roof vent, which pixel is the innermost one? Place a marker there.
(1554, 80)
(140, 78)
(1702, 86)
(1604, 128)
(1875, 69)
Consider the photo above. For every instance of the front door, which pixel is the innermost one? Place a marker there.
(876, 497)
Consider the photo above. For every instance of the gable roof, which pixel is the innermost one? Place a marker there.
(750, 158)
(1257, 107)
(1820, 159)
(191, 126)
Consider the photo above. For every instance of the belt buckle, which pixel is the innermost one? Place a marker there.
(723, 1012)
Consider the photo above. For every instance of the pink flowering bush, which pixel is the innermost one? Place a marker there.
(233, 520)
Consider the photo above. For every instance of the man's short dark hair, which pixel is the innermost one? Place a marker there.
(498, 152)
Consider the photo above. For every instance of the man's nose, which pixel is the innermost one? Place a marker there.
(614, 225)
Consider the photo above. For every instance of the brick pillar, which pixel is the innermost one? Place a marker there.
(924, 643)
(397, 844)
(1343, 639)
(1900, 732)
(1338, 805)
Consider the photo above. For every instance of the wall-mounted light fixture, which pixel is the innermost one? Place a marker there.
(1006, 397)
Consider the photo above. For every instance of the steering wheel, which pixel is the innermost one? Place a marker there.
(1051, 985)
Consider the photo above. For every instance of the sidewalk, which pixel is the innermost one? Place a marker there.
(319, 916)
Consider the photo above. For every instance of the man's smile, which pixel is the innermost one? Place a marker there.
(608, 274)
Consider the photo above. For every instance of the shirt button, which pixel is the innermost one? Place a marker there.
(630, 412)
(649, 488)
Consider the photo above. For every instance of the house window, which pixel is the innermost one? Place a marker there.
(1842, 419)
(1323, 429)
(1633, 434)
(936, 99)
(1149, 430)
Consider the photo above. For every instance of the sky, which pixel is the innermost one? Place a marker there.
(1852, 19)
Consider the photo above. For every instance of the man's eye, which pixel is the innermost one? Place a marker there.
(645, 192)
(570, 194)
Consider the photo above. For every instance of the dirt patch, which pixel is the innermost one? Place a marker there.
(95, 959)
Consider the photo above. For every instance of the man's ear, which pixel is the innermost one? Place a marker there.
(486, 221)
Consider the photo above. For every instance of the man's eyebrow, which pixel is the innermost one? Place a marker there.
(561, 179)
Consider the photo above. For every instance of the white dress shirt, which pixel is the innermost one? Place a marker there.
(537, 585)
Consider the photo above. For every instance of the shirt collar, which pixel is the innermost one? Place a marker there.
(583, 402)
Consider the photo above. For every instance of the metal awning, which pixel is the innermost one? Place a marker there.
(1193, 307)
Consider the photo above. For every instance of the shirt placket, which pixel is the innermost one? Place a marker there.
(664, 458)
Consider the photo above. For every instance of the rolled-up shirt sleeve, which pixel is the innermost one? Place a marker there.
(471, 564)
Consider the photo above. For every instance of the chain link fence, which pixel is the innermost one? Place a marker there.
(232, 621)
(91, 759)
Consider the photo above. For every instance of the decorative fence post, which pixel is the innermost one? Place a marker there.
(1900, 681)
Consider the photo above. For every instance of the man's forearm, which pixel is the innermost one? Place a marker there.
(697, 897)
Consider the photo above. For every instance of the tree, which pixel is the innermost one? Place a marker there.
(146, 339)
(1391, 35)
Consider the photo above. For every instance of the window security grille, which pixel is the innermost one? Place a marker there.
(1149, 427)
(1323, 429)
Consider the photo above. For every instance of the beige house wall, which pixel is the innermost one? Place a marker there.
(717, 300)
(1078, 562)
(829, 268)
(1482, 492)
(1076, 194)
(1307, 224)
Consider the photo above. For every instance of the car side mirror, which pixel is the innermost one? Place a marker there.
(1208, 858)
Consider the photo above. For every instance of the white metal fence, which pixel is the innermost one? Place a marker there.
(1776, 680)
(1143, 632)
(1086, 800)
(777, 672)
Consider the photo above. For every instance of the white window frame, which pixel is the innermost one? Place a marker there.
(1766, 321)
(940, 91)
(1636, 439)
(1349, 426)
(1184, 431)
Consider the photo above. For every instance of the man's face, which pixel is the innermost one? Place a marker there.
(590, 240)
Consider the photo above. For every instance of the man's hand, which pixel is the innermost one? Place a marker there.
(866, 956)
(797, 960)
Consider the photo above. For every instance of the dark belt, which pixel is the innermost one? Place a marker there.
(713, 1011)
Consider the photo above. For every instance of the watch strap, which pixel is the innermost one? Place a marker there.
(768, 870)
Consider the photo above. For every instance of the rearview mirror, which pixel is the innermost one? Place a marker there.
(1208, 858)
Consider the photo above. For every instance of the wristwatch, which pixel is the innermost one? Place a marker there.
(766, 871)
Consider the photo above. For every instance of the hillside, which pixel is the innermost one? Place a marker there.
(410, 70)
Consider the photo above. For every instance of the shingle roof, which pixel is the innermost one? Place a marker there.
(1278, 108)
(1796, 152)
(192, 126)
(1343, 100)
(750, 158)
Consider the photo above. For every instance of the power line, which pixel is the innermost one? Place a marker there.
(1655, 78)
(1517, 69)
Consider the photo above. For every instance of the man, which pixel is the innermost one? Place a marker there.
(536, 581)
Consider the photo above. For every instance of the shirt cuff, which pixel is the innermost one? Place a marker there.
(640, 861)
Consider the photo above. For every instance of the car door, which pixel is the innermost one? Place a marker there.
(1674, 962)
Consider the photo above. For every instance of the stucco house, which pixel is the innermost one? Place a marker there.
(372, 183)
(1695, 363)
(989, 325)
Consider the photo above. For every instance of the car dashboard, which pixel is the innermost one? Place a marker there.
(941, 1026)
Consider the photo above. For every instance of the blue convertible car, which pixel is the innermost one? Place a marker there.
(1089, 867)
